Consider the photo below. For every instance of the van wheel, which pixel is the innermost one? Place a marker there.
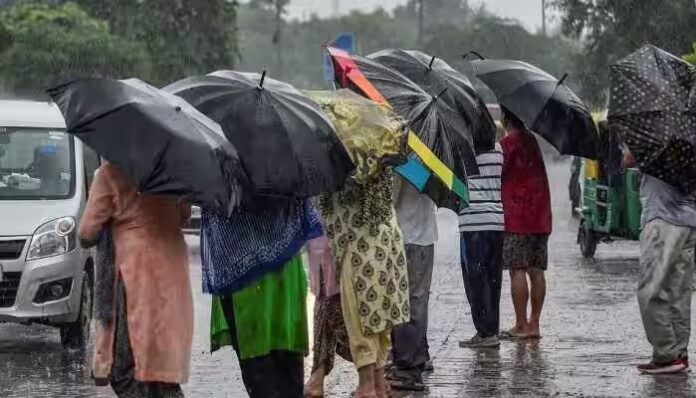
(76, 334)
(588, 242)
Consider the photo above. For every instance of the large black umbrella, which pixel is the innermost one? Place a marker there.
(156, 139)
(440, 127)
(545, 105)
(435, 75)
(652, 107)
(287, 145)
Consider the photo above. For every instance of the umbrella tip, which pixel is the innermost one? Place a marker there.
(178, 108)
(473, 53)
(562, 79)
(263, 77)
(430, 66)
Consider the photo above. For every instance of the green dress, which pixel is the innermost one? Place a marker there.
(270, 314)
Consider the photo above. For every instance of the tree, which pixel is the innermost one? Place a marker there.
(51, 43)
(612, 29)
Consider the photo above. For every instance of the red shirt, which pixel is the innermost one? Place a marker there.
(525, 185)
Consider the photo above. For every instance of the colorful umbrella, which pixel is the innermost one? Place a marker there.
(439, 136)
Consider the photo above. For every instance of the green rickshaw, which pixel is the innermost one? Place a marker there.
(610, 208)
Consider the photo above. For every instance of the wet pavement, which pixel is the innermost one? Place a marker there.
(592, 341)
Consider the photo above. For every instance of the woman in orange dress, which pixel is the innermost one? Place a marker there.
(144, 349)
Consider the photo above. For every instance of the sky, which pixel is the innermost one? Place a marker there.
(528, 12)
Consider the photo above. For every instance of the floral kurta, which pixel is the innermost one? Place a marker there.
(361, 223)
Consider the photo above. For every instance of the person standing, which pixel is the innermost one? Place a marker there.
(665, 284)
(144, 348)
(368, 252)
(481, 226)
(417, 218)
(253, 267)
(330, 334)
(527, 204)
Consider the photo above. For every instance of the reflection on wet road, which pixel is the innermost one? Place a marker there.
(592, 335)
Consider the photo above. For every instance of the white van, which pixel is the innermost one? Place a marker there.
(45, 173)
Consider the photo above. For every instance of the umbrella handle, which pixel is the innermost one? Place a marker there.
(473, 53)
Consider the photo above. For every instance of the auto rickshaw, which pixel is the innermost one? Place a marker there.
(611, 207)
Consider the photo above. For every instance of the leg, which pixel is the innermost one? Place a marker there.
(123, 379)
(364, 349)
(538, 294)
(661, 246)
(682, 307)
(408, 350)
(382, 388)
(495, 278)
(520, 296)
(326, 310)
(288, 371)
(473, 260)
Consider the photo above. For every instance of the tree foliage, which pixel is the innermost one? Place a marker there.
(50, 43)
(612, 29)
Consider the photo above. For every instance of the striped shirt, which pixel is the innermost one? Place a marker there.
(485, 211)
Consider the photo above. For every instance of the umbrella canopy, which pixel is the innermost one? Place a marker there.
(441, 136)
(373, 133)
(287, 145)
(545, 105)
(652, 107)
(157, 140)
(436, 77)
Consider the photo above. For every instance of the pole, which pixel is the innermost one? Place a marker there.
(421, 12)
(543, 17)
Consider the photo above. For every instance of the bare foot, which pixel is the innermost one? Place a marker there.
(382, 388)
(315, 385)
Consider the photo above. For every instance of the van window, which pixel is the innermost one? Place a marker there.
(36, 164)
(91, 164)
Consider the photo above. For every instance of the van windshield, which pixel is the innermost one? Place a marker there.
(36, 164)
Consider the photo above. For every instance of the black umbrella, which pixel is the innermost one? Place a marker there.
(156, 139)
(435, 75)
(652, 107)
(287, 145)
(545, 105)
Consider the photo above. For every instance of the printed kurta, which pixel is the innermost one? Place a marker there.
(361, 223)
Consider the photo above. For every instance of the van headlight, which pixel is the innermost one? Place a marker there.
(53, 239)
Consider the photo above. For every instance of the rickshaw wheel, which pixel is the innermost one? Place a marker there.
(587, 240)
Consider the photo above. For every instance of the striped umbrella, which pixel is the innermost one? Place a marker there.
(440, 141)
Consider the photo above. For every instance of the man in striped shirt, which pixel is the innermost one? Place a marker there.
(481, 226)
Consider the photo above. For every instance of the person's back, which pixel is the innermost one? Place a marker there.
(525, 186)
(663, 201)
(485, 210)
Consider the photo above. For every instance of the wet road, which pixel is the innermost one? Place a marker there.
(592, 331)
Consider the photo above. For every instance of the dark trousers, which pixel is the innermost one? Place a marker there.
(482, 269)
(409, 340)
(279, 374)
